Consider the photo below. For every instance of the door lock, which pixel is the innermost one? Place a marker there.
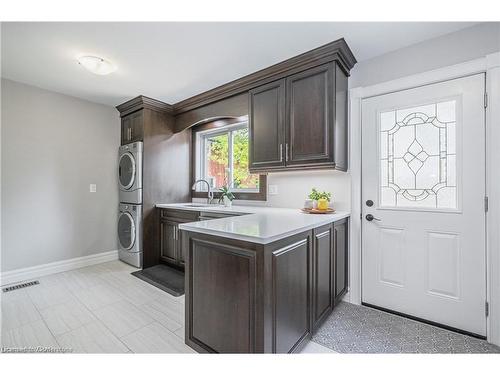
(370, 217)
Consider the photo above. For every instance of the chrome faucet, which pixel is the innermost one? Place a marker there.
(210, 193)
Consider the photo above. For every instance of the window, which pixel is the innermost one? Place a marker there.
(221, 158)
(418, 157)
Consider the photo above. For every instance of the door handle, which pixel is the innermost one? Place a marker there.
(370, 217)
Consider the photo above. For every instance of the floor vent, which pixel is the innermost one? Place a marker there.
(20, 286)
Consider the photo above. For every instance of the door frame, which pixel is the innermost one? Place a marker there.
(490, 65)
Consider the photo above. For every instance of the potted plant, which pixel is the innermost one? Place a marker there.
(226, 196)
(320, 199)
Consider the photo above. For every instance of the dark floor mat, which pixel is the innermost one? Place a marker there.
(164, 277)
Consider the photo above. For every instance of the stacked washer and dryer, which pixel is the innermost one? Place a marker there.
(130, 210)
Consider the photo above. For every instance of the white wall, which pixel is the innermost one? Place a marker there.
(464, 45)
(293, 187)
(53, 146)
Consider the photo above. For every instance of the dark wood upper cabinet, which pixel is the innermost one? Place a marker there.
(341, 130)
(300, 122)
(310, 119)
(132, 128)
(266, 126)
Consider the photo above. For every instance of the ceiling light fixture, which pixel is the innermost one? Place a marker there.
(96, 65)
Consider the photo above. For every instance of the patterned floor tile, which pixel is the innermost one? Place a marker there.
(359, 329)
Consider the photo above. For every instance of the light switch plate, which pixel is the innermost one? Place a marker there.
(93, 188)
(273, 189)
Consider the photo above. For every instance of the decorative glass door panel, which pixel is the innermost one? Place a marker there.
(418, 157)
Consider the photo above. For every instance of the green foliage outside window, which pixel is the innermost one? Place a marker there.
(219, 154)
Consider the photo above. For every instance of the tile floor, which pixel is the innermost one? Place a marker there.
(359, 329)
(97, 309)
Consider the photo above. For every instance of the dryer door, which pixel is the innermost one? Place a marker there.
(126, 231)
(126, 170)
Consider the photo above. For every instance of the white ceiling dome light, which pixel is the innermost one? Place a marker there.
(97, 65)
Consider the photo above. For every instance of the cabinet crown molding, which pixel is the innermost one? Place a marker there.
(141, 102)
(337, 50)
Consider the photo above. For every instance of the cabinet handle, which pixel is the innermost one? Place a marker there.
(286, 152)
(129, 134)
(281, 152)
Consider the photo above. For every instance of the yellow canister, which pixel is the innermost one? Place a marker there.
(322, 204)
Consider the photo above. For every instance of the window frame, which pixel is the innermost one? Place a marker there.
(261, 195)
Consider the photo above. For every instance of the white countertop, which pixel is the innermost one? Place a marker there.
(261, 225)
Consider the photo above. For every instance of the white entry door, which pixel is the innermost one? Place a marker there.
(423, 177)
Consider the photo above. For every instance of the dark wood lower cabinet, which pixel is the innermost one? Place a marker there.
(168, 242)
(171, 251)
(243, 297)
(222, 297)
(341, 250)
(323, 274)
(290, 294)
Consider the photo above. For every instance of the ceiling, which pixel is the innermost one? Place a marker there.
(173, 61)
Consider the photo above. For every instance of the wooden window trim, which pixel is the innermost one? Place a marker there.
(259, 196)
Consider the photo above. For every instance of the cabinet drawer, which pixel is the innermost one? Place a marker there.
(214, 215)
(179, 214)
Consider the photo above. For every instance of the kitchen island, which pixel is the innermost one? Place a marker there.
(262, 281)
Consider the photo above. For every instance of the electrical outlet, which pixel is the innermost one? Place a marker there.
(273, 189)
(93, 188)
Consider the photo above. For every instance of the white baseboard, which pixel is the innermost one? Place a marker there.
(29, 273)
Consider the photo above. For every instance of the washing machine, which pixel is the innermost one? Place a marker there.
(130, 234)
(130, 173)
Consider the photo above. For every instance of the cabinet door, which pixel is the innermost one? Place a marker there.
(266, 126)
(291, 295)
(341, 248)
(221, 296)
(310, 117)
(323, 276)
(168, 241)
(132, 128)
(137, 126)
(126, 130)
(181, 252)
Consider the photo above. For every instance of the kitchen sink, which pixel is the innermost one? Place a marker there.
(201, 205)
